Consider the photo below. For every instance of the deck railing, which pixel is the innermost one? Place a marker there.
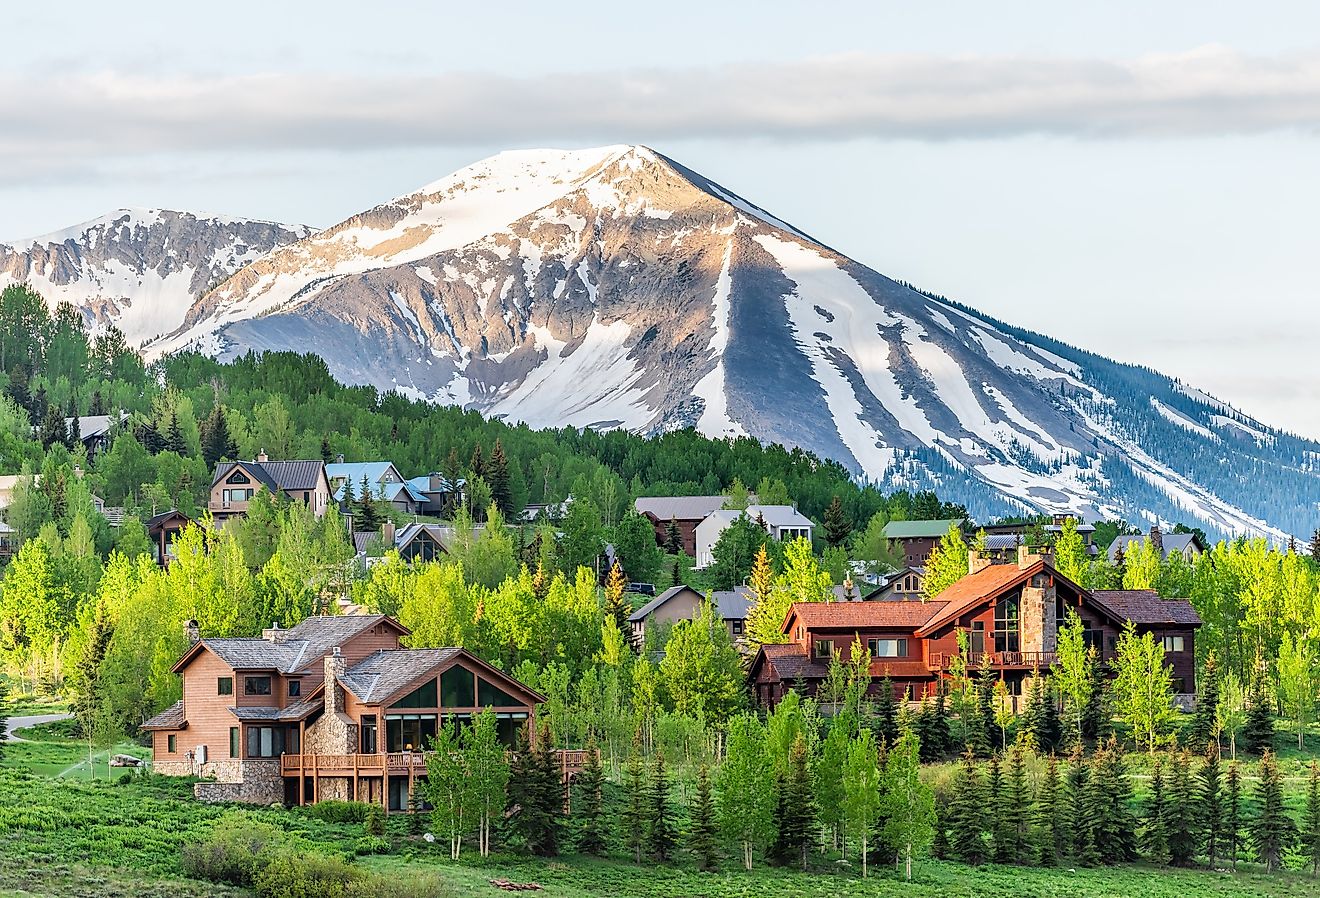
(944, 660)
(571, 761)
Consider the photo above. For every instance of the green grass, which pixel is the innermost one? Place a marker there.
(49, 751)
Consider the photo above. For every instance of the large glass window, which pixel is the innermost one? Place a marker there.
(421, 697)
(1007, 633)
(458, 688)
(887, 648)
(369, 734)
(507, 726)
(265, 742)
(491, 696)
(976, 638)
(1173, 644)
(233, 742)
(256, 685)
(409, 732)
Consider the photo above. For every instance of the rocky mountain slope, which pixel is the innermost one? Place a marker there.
(615, 288)
(139, 269)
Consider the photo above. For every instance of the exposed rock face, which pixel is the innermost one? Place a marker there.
(139, 269)
(615, 288)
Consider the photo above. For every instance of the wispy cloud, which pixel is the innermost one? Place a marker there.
(69, 121)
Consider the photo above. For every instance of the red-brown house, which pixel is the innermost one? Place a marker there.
(330, 708)
(1010, 612)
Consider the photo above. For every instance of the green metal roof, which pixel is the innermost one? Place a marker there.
(919, 529)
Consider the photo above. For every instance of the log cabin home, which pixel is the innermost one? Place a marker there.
(1010, 612)
(333, 708)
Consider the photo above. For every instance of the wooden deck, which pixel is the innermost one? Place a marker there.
(407, 763)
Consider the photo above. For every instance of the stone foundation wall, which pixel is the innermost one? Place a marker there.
(246, 782)
(333, 734)
(337, 788)
(176, 767)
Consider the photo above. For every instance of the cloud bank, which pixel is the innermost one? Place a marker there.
(68, 122)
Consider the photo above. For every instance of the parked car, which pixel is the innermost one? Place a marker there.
(641, 589)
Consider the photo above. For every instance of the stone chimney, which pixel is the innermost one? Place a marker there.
(387, 533)
(192, 631)
(977, 562)
(262, 456)
(1029, 555)
(335, 669)
(849, 592)
(275, 634)
(1037, 612)
(339, 459)
(1157, 538)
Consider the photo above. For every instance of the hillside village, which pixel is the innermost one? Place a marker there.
(253, 586)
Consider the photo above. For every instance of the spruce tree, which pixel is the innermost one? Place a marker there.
(590, 782)
(1211, 802)
(536, 781)
(1112, 828)
(1077, 828)
(967, 813)
(1001, 838)
(1154, 837)
(635, 810)
(884, 717)
(1096, 716)
(939, 731)
(1045, 817)
(367, 517)
(673, 539)
(477, 466)
(1273, 831)
(1016, 806)
(837, 525)
(216, 441)
(174, 441)
(985, 707)
(939, 846)
(702, 836)
(659, 817)
(1311, 820)
(1205, 722)
(1181, 823)
(1258, 732)
(1040, 720)
(497, 476)
(417, 814)
(1233, 813)
(798, 820)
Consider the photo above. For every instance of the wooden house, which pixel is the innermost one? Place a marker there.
(235, 483)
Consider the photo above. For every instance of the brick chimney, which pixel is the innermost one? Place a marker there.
(1157, 538)
(275, 634)
(262, 456)
(977, 562)
(335, 669)
(192, 631)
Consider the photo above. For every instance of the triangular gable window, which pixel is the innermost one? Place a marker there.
(423, 696)
(491, 696)
(238, 477)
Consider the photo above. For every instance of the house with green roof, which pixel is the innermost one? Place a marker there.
(915, 539)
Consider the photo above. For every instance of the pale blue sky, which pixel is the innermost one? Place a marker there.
(1139, 179)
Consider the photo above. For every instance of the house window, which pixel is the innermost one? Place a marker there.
(824, 649)
(409, 732)
(234, 742)
(1093, 639)
(224, 685)
(256, 685)
(424, 696)
(171, 743)
(887, 648)
(1173, 643)
(295, 688)
(1007, 636)
(737, 627)
(976, 638)
(238, 477)
(491, 696)
(265, 742)
(458, 688)
(369, 734)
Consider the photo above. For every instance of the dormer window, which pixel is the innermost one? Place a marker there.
(238, 477)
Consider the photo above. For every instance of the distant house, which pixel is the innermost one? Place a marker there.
(916, 539)
(95, 432)
(1007, 537)
(8, 542)
(384, 482)
(782, 522)
(164, 530)
(684, 603)
(1010, 614)
(333, 708)
(440, 496)
(9, 485)
(905, 585)
(685, 511)
(236, 482)
(414, 542)
(1188, 545)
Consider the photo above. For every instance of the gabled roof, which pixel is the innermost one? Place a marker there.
(1145, 606)
(423, 484)
(790, 662)
(1172, 542)
(164, 517)
(170, 719)
(974, 589)
(681, 508)
(779, 515)
(355, 470)
(384, 675)
(861, 615)
(284, 475)
(732, 604)
(920, 529)
(298, 648)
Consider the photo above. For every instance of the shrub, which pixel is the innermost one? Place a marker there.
(371, 845)
(306, 876)
(375, 821)
(341, 811)
(234, 852)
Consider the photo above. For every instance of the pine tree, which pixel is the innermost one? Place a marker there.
(837, 525)
(1000, 831)
(1205, 722)
(417, 815)
(535, 780)
(590, 782)
(1110, 824)
(1182, 821)
(967, 813)
(1016, 807)
(636, 810)
(1096, 722)
(616, 602)
(1211, 804)
(1311, 820)
(326, 455)
(1233, 813)
(659, 817)
(702, 836)
(174, 441)
(938, 730)
(939, 846)
(673, 539)
(1154, 837)
(477, 466)
(367, 519)
(1272, 832)
(884, 713)
(796, 815)
(217, 444)
(1045, 817)
(1040, 719)
(497, 477)
(1258, 732)
(52, 429)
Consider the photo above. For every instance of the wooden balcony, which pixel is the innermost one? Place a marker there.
(405, 763)
(997, 660)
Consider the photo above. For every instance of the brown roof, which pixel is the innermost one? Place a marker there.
(299, 647)
(817, 615)
(681, 508)
(170, 719)
(976, 588)
(791, 661)
(1144, 606)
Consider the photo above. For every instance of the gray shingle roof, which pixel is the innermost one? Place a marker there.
(380, 675)
(170, 719)
(681, 508)
(297, 711)
(731, 604)
(1173, 542)
(300, 647)
(1144, 606)
(284, 475)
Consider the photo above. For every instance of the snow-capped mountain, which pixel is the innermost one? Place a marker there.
(139, 269)
(615, 288)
